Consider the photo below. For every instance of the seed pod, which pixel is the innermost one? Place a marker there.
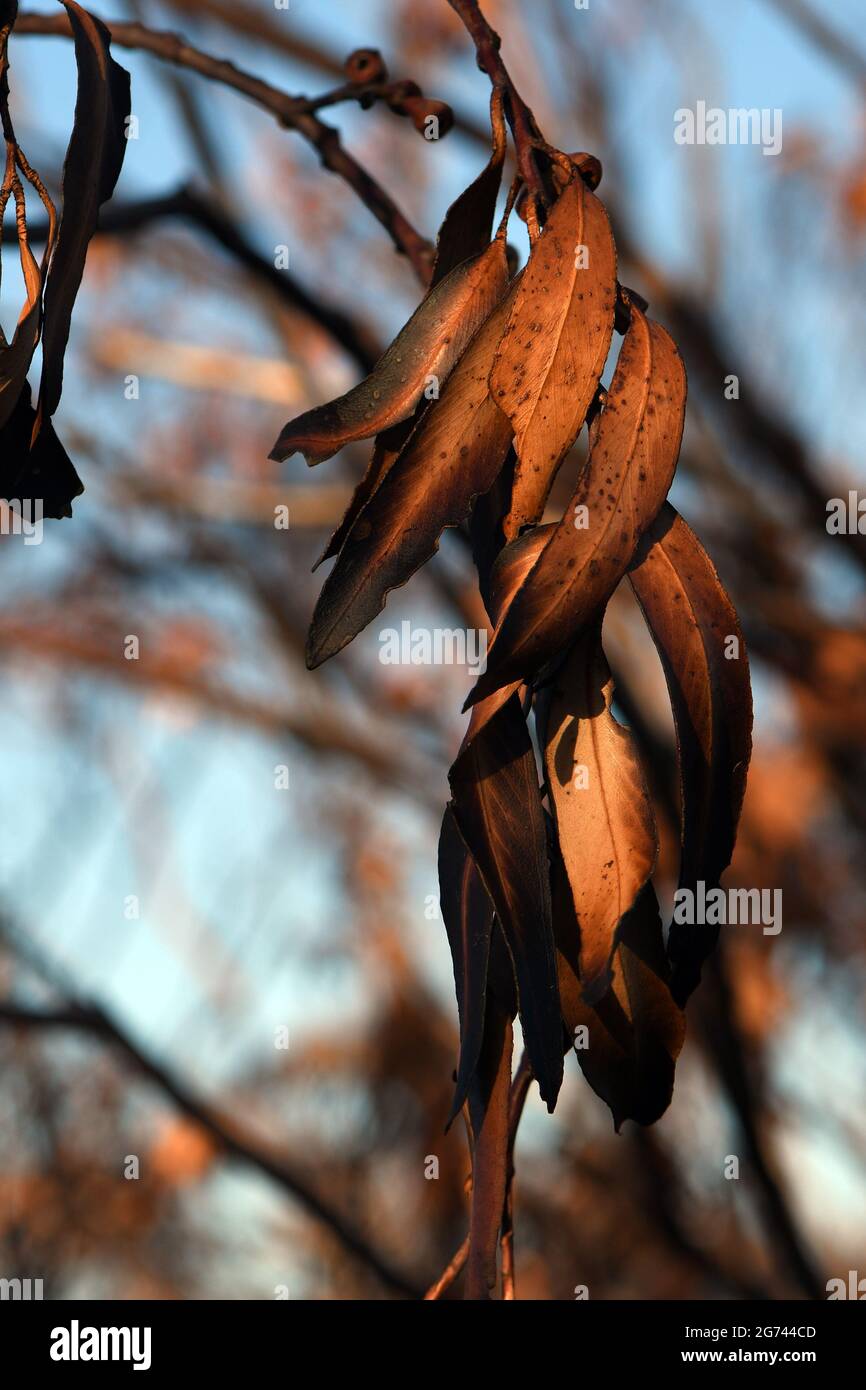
(365, 65)
(420, 109)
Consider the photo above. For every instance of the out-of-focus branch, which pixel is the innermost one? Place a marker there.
(726, 1050)
(199, 368)
(173, 48)
(659, 1186)
(832, 45)
(227, 1135)
(326, 730)
(188, 205)
(233, 500)
(119, 219)
(254, 23)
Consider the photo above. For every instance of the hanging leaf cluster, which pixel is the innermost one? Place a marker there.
(549, 843)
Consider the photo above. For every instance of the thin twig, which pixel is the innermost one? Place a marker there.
(519, 1091)
(288, 110)
(451, 1271)
(528, 140)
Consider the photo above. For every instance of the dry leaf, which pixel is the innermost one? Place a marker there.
(554, 349)
(631, 462)
(604, 817)
(635, 1033)
(91, 169)
(497, 806)
(691, 620)
(426, 348)
(468, 223)
(454, 454)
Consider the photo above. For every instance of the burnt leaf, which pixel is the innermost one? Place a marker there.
(554, 349)
(635, 1032)
(603, 813)
(452, 456)
(426, 347)
(468, 223)
(696, 631)
(468, 916)
(90, 171)
(633, 454)
(497, 805)
(489, 1095)
(43, 472)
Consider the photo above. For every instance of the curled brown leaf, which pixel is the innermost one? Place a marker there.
(696, 631)
(424, 352)
(602, 809)
(453, 455)
(633, 454)
(556, 343)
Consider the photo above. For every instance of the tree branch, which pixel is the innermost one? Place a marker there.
(190, 206)
(289, 112)
(528, 140)
(228, 1136)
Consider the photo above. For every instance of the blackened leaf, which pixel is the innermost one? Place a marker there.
(468, 915)
(489, 1096)
(43, 473)
(602, 809)
(554, 349)
(468, 222)
(453, 455)
(91, 169)
(695, 628)
(635, 1032)
(426, 347)
(632, 458)
(500, 973)
(497, 804)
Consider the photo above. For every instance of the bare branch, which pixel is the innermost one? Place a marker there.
(288, 110)
(230, 1137)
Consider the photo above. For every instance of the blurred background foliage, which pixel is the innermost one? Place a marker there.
(313, 908)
